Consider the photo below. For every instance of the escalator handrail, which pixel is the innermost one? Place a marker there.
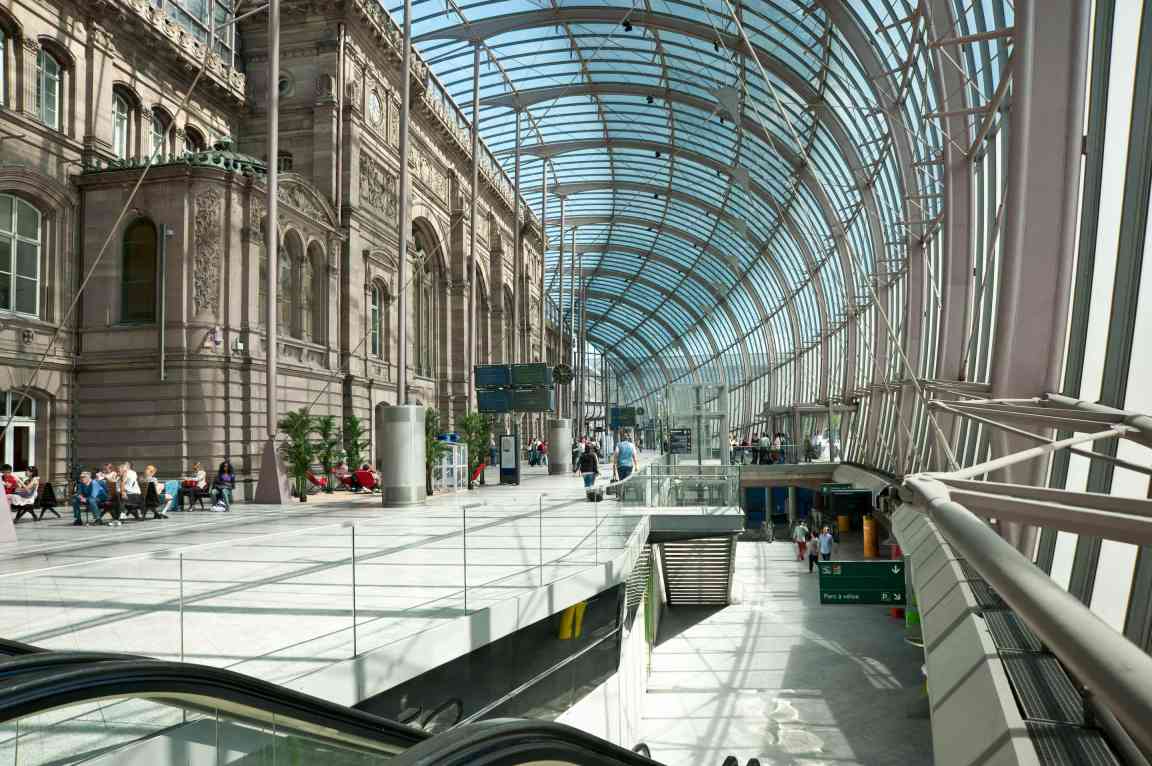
(497, 741)
(204, 686)
(10, 648)
(29, 664)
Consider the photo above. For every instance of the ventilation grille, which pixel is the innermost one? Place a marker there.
(1048, 700)
(1059, 745)
(698, 571)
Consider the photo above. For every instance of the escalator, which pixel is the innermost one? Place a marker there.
(59, 708)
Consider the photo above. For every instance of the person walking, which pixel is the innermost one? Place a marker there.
(800, 535)
(812, 547)
(624, 458)
(826, 544)
(588, 466)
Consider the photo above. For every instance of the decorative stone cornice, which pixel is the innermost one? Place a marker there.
(185, 46)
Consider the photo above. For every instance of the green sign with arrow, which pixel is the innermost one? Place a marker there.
(862, 582)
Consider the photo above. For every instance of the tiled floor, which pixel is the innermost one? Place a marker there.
(779, 677)
(269, 591)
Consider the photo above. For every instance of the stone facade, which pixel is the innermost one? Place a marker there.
(180, 376)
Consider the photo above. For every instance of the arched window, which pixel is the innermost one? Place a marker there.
(314, 287)
(305, 297)
(284, 324)
(193, 139)
(19, 256)
(48, 91)
(120, 115)
(425, 356)
(161, 133)
(375, 312)
(138, 273)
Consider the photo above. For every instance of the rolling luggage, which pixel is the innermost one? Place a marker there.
(594, 494)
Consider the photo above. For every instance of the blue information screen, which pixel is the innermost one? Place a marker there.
(494, 401)
(493, 375)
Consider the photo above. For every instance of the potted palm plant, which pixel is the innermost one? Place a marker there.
(475, 430)
(297, 450)
(328, 446)
(355, 441)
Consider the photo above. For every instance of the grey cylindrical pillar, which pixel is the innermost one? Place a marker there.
(559, 446)
(400, 453)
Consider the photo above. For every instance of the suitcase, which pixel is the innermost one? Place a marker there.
(594, 494)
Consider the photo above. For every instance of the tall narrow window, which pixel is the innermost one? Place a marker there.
(193, 139)
(161, 128)
(3, 67)
(48, 89)
(284, 324)
(119, 126)
(19, 256)
(374, 318)
(138, 274)
(304, 296)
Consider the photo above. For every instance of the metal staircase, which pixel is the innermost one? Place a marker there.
(698, 571)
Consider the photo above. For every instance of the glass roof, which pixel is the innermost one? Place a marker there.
(728, 170)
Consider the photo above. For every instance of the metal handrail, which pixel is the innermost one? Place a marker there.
(1112, 668)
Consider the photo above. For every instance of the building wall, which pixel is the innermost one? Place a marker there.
(102, 393)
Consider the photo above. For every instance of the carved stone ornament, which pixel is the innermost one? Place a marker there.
(378, 187)
(293, 194)
(325, 89)
(259, 211)
(206, 261)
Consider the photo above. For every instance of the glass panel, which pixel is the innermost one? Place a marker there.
(25, 295)
(6, 212)
(5, 254)
(27, 221)
(138, 280)
(24, 405)
(21, 448)
(26, 259)
(5, 292)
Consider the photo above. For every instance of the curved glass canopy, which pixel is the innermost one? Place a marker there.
(736, 177)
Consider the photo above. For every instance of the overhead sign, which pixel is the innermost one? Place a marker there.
(531, 375)
(499, 400)
(488, 375)
(862, 582)
(621, 417)
(532, 400)
(680, 441)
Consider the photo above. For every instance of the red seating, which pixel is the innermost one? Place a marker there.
(366, 479)
(317, 481)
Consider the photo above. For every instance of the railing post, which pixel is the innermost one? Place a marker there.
(464, 548)
(541, 539)
(181, 607)
(355, 649)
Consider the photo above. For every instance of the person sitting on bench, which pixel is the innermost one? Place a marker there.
(88, 496)
(223, 486)
(27, 490)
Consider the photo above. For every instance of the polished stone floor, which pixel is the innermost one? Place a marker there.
(779, 677)
(275, 592)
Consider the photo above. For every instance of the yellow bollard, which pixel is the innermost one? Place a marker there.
(871, 550)
(566, 618)
(845, 523)
(578, 620)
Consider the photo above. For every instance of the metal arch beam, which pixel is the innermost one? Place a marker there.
(804, 175)
(763, 317)
(568, 189)
(672, 331)
(956, 280)
(629, 335)
(601, 14)
(656, 225)
(679, 301)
